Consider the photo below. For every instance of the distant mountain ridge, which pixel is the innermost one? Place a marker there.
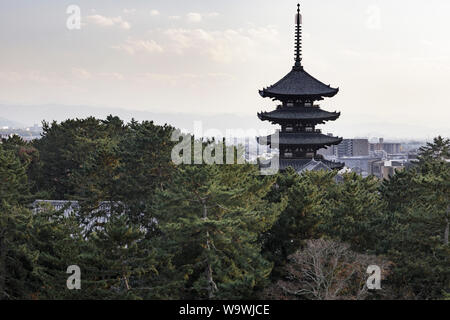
(10, 124)
(348, 127)
(30, 115)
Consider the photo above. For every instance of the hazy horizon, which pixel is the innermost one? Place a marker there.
(26, 115)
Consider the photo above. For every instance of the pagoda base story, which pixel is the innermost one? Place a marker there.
(303, 165)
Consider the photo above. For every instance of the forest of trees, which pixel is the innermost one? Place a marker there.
(212, 231)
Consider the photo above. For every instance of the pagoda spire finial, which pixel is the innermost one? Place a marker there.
(298, 39)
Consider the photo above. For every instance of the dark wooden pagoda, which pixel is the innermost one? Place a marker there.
(298, 115)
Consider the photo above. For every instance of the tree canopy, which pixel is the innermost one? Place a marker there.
(147, 228)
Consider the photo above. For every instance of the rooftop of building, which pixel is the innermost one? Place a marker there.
(299, 84)
(303, 138)
(299, 113)
(301, 165)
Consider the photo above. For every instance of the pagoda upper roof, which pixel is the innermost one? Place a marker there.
(299, 113)
(298, 84)
(305, 139)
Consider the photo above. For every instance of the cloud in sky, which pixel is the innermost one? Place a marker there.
(132, 46)
(129, 11)
(80, 73)
(194, 17)
(154, 13)
(34, 76)
(83, 74)
(183, 78)
(106, 22)
(212, 14)
(221, 46)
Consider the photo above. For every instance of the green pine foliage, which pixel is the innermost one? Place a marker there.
(211, 217)
(307, 206)
(356, 212)
(416, 236)
(150, 229)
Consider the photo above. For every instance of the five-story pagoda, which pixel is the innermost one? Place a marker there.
(298, 115)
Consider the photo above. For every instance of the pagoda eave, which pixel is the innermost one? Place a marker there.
(294, 97)
(300, 164)
(280, 116)
(302, 139)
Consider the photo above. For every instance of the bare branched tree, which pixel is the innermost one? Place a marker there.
(327, 270)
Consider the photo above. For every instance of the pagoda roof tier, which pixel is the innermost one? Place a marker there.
(301, 165)
(305, 139)
(311, 114)
(297, 85)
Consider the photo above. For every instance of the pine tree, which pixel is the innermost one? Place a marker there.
(59, 241)
(14, 188)
(144, 153)
(307, 196)
(416, 237)
(439, 149)
(119, 261)
(211, 217)
(16, 260)
(356, 212)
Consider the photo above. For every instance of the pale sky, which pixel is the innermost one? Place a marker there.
(390, 59)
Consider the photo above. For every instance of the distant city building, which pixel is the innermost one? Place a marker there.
(380, 159)
(347, 148)
(94, 219)
(353, 148)
(412, 155)
(100, 214)
(67, 207)
(390, 148)
(361, 165)
(386, 169)
(27, 134)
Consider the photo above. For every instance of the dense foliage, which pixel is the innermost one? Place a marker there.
(149, 229)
